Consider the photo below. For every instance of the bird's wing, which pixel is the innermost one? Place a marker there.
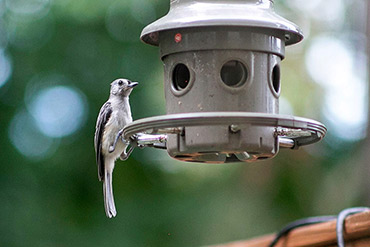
(104, 115)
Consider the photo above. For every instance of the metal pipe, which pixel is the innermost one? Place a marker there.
(286, 143)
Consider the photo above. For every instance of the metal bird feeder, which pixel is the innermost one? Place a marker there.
(222, 83)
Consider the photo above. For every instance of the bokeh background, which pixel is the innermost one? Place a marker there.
(57, 58)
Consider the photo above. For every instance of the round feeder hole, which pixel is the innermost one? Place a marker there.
(233, 73)
(180, 77)
(276, 78)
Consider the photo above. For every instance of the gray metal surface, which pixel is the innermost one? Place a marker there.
(207, 91)
(222, 38)
(201, 13)
(215, 69)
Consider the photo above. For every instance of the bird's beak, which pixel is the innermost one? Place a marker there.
(133, 84)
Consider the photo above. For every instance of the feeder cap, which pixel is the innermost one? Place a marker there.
(222, 13)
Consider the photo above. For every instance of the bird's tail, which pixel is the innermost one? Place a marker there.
(110, 208)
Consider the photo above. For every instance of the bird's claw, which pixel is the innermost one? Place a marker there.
(113, 146)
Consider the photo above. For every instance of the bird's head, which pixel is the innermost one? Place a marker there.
(122, 87)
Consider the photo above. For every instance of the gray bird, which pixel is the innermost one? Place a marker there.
(109, 145)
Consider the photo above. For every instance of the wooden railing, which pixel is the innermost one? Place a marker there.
(356, 234)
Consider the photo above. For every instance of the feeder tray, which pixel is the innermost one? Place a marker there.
(290, 132)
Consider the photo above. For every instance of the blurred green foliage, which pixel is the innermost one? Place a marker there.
(56, 199)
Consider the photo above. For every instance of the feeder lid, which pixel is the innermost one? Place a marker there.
(205, 13)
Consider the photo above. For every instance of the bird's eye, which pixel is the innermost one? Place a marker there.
(129, 82)
(120, 82)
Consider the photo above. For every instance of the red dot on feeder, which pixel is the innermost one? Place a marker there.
(178, 37)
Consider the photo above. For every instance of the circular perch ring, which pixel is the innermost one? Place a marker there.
(292, 132)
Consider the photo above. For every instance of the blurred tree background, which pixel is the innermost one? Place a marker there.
(57, 58)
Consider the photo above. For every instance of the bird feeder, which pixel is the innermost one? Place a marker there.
(222, 83)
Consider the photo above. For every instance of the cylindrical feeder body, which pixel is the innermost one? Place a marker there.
(222, 56)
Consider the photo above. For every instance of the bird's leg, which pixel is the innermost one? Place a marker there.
(113, 146)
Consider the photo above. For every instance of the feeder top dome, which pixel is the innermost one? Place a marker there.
(206, 13)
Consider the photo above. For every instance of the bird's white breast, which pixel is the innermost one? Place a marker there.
(120, 117)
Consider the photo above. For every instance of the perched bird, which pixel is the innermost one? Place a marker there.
(109, 145)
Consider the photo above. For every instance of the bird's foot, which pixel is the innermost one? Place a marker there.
(113, 146)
